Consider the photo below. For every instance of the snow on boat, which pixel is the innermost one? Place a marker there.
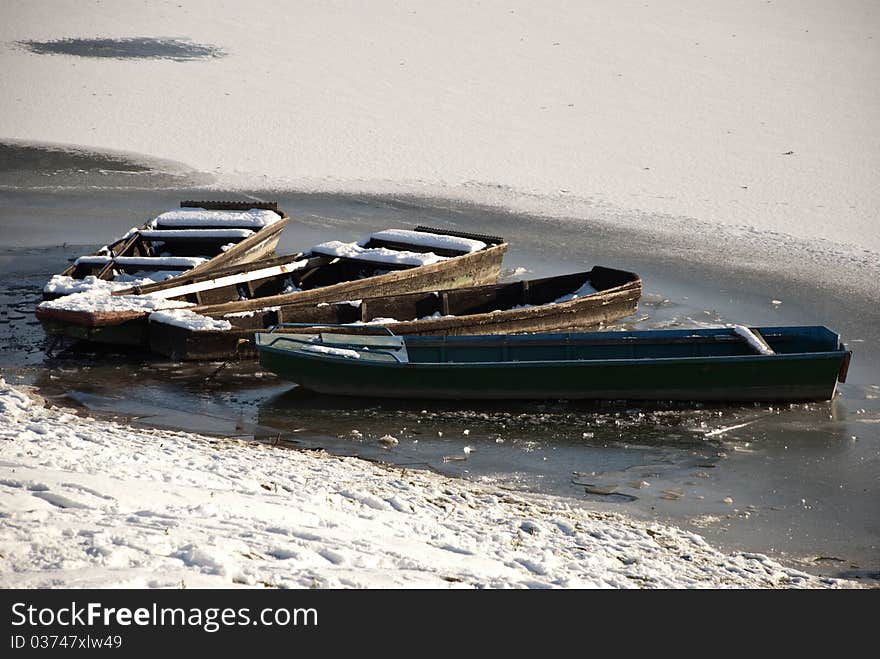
(575, 301)
(198, 238)
(387, 262)
(724, 364)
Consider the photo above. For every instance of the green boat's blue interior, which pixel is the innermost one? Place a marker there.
(616, 345)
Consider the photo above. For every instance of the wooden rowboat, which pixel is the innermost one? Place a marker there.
(389, 262)
(726, 364)
(197, 239)
(576, 301)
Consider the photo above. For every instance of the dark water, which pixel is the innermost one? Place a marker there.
(178, 50)
(54, 167)
(801, 483)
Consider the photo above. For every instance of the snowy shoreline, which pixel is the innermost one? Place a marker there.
(91, 503)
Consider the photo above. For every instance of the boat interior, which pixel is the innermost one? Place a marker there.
(654, 344)
(176, 247)
(321, 271)
(451, 302)
(376, 241)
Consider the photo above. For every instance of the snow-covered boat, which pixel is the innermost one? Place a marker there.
(387, 262)
(580, 300)
(196, 239)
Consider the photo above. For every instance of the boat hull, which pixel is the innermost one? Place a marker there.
(133, 328)
(583, 313)
(791, 380)
(796, 377)
(133, 332)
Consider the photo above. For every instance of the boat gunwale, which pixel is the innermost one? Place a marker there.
(558, 362)
(299, 353)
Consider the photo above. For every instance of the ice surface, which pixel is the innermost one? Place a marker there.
(759, 116)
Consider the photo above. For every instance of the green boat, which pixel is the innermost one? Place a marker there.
(736, 364)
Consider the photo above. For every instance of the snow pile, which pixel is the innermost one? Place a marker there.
(376, 254)
(335, 352)
(250, 314)
(99, 300)
(142, 277)
(190, 320)
(194, 218)
(64, 285)
(757, 343)
(586, 289)
(436, 316)
(425, 239)
(290, 287)
(180, 510)
(379, 320)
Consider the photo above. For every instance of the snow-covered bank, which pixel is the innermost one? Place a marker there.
(85, 502)
(749, 113)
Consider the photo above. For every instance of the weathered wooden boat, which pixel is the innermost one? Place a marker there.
(199, 238)
(388, 262)
(727, 364)
(575, 301)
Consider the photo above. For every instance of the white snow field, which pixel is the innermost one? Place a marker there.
(755, 114)
(91, 503)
